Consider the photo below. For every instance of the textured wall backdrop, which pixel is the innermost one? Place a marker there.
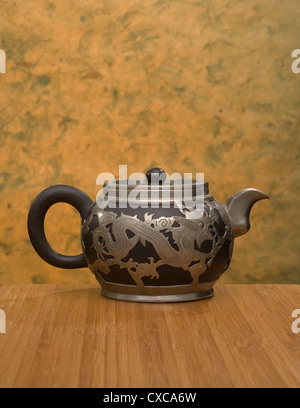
(189, 86)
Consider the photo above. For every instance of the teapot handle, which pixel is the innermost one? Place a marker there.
(36, 217)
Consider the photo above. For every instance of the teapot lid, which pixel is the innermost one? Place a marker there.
(154, 188)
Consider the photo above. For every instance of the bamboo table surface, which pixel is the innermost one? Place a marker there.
(70, 336)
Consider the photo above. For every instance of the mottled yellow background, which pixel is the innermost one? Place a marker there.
(186, 85)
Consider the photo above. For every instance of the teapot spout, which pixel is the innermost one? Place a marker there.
(239, 206)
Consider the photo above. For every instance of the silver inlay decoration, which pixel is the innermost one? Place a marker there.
(177, 240)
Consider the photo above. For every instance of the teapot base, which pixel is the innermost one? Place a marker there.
(180, 297)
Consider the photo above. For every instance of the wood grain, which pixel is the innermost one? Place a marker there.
(70, 336)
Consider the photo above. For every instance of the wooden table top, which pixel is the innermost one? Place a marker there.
(70, 336)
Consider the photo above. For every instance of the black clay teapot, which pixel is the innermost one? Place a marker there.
(143, 243)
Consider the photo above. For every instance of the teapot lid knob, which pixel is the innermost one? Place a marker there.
(156, 176)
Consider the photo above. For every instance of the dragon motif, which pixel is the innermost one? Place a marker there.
(178, 241)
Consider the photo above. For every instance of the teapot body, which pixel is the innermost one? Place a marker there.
(158, 254)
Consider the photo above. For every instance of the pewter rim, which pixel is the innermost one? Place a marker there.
(183, 297)
(151, 203)
(149, 291)
(173, 184)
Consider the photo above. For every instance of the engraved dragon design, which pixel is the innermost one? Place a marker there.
(177, 241)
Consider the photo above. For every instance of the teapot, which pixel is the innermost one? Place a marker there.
(157, 249)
